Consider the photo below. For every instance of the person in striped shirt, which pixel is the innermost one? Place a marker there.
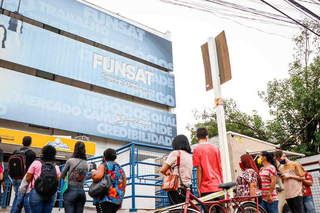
(268, 174)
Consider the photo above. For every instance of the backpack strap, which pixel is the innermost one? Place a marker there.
(106, 169)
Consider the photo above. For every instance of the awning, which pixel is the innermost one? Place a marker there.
(288, 153)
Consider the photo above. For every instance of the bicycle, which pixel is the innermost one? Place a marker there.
(227, 205)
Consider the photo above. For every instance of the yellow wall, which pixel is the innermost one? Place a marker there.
(10, 136)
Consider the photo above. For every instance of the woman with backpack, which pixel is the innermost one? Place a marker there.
(76, 167)
(111, 202)
(43, 177)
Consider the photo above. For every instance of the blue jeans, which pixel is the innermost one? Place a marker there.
(19, 200)
(74, 199)
(41, 204)
(16, 183)
(271, 208)
(308, 205)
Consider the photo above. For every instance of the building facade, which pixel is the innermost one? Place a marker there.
(71, 71)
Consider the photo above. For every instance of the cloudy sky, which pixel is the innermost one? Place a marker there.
(259, 52)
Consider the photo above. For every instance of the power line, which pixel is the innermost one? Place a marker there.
(217, 12)
(300, 10)
(304, 9)
(291, 18)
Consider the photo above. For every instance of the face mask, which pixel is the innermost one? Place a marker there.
(259, 161)
(283, 161)
(241, 166)
(91, 167)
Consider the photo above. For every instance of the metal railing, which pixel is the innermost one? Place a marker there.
(141, 164)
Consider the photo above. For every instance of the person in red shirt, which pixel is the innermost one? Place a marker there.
(206, 157)
(308, 204)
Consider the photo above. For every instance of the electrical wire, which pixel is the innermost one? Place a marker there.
(249, 14)
(292, 18)
(300, 10)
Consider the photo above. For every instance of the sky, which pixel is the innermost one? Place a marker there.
(256, 57)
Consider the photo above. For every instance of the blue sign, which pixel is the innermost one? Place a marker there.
(34, 47)
(33, 100)
(79, 19)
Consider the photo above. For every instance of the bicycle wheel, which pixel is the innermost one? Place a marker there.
(249, 207)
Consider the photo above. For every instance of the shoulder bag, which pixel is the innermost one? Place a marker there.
(170, 182)
(101, 188)
(65, 186)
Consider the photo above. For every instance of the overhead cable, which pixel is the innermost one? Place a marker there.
(291, 18)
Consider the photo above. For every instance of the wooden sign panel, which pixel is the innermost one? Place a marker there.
(207, 68)
(223, 58)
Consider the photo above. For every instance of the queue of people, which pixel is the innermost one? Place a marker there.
(251, 182)
(36, 187)
(36, 182)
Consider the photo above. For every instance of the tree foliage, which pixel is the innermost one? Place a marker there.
(236, 121)
(295, 101)
(294, 104)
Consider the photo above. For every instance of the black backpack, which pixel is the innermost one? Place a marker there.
(47, 182)
(17, 164)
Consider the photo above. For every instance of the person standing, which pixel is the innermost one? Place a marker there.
(207, 159)
(268, 174)
(111, 202)
(77, 168)
(2, 181)
(30, 156)
(181, 146)
(308, 204)
(39, 173)
(292, 177)
(1, 153)
(249, 181)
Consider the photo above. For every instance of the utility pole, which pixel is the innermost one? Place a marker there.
(217, 68)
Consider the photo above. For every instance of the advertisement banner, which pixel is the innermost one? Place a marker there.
(11, 136)
(79, 19)
(33, 100)
(34, 47)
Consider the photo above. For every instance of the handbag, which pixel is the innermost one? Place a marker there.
(101, 188)
(170, 182)
(66, 183)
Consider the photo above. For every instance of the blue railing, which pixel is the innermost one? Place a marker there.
(133, 158)
(140, 162)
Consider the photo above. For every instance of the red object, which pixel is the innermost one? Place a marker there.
(170, 183)
(241, 166)
(208, 157)
(307, 189)
(1, 169)
(178, 160)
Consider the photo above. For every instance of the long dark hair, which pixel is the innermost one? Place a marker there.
(181, 142)
(248, 163)
(270, 158)
(79, 151)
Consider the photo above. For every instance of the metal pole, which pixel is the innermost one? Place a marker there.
(4, 205)
(2, 3)
(225, 160)
(133, 185)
